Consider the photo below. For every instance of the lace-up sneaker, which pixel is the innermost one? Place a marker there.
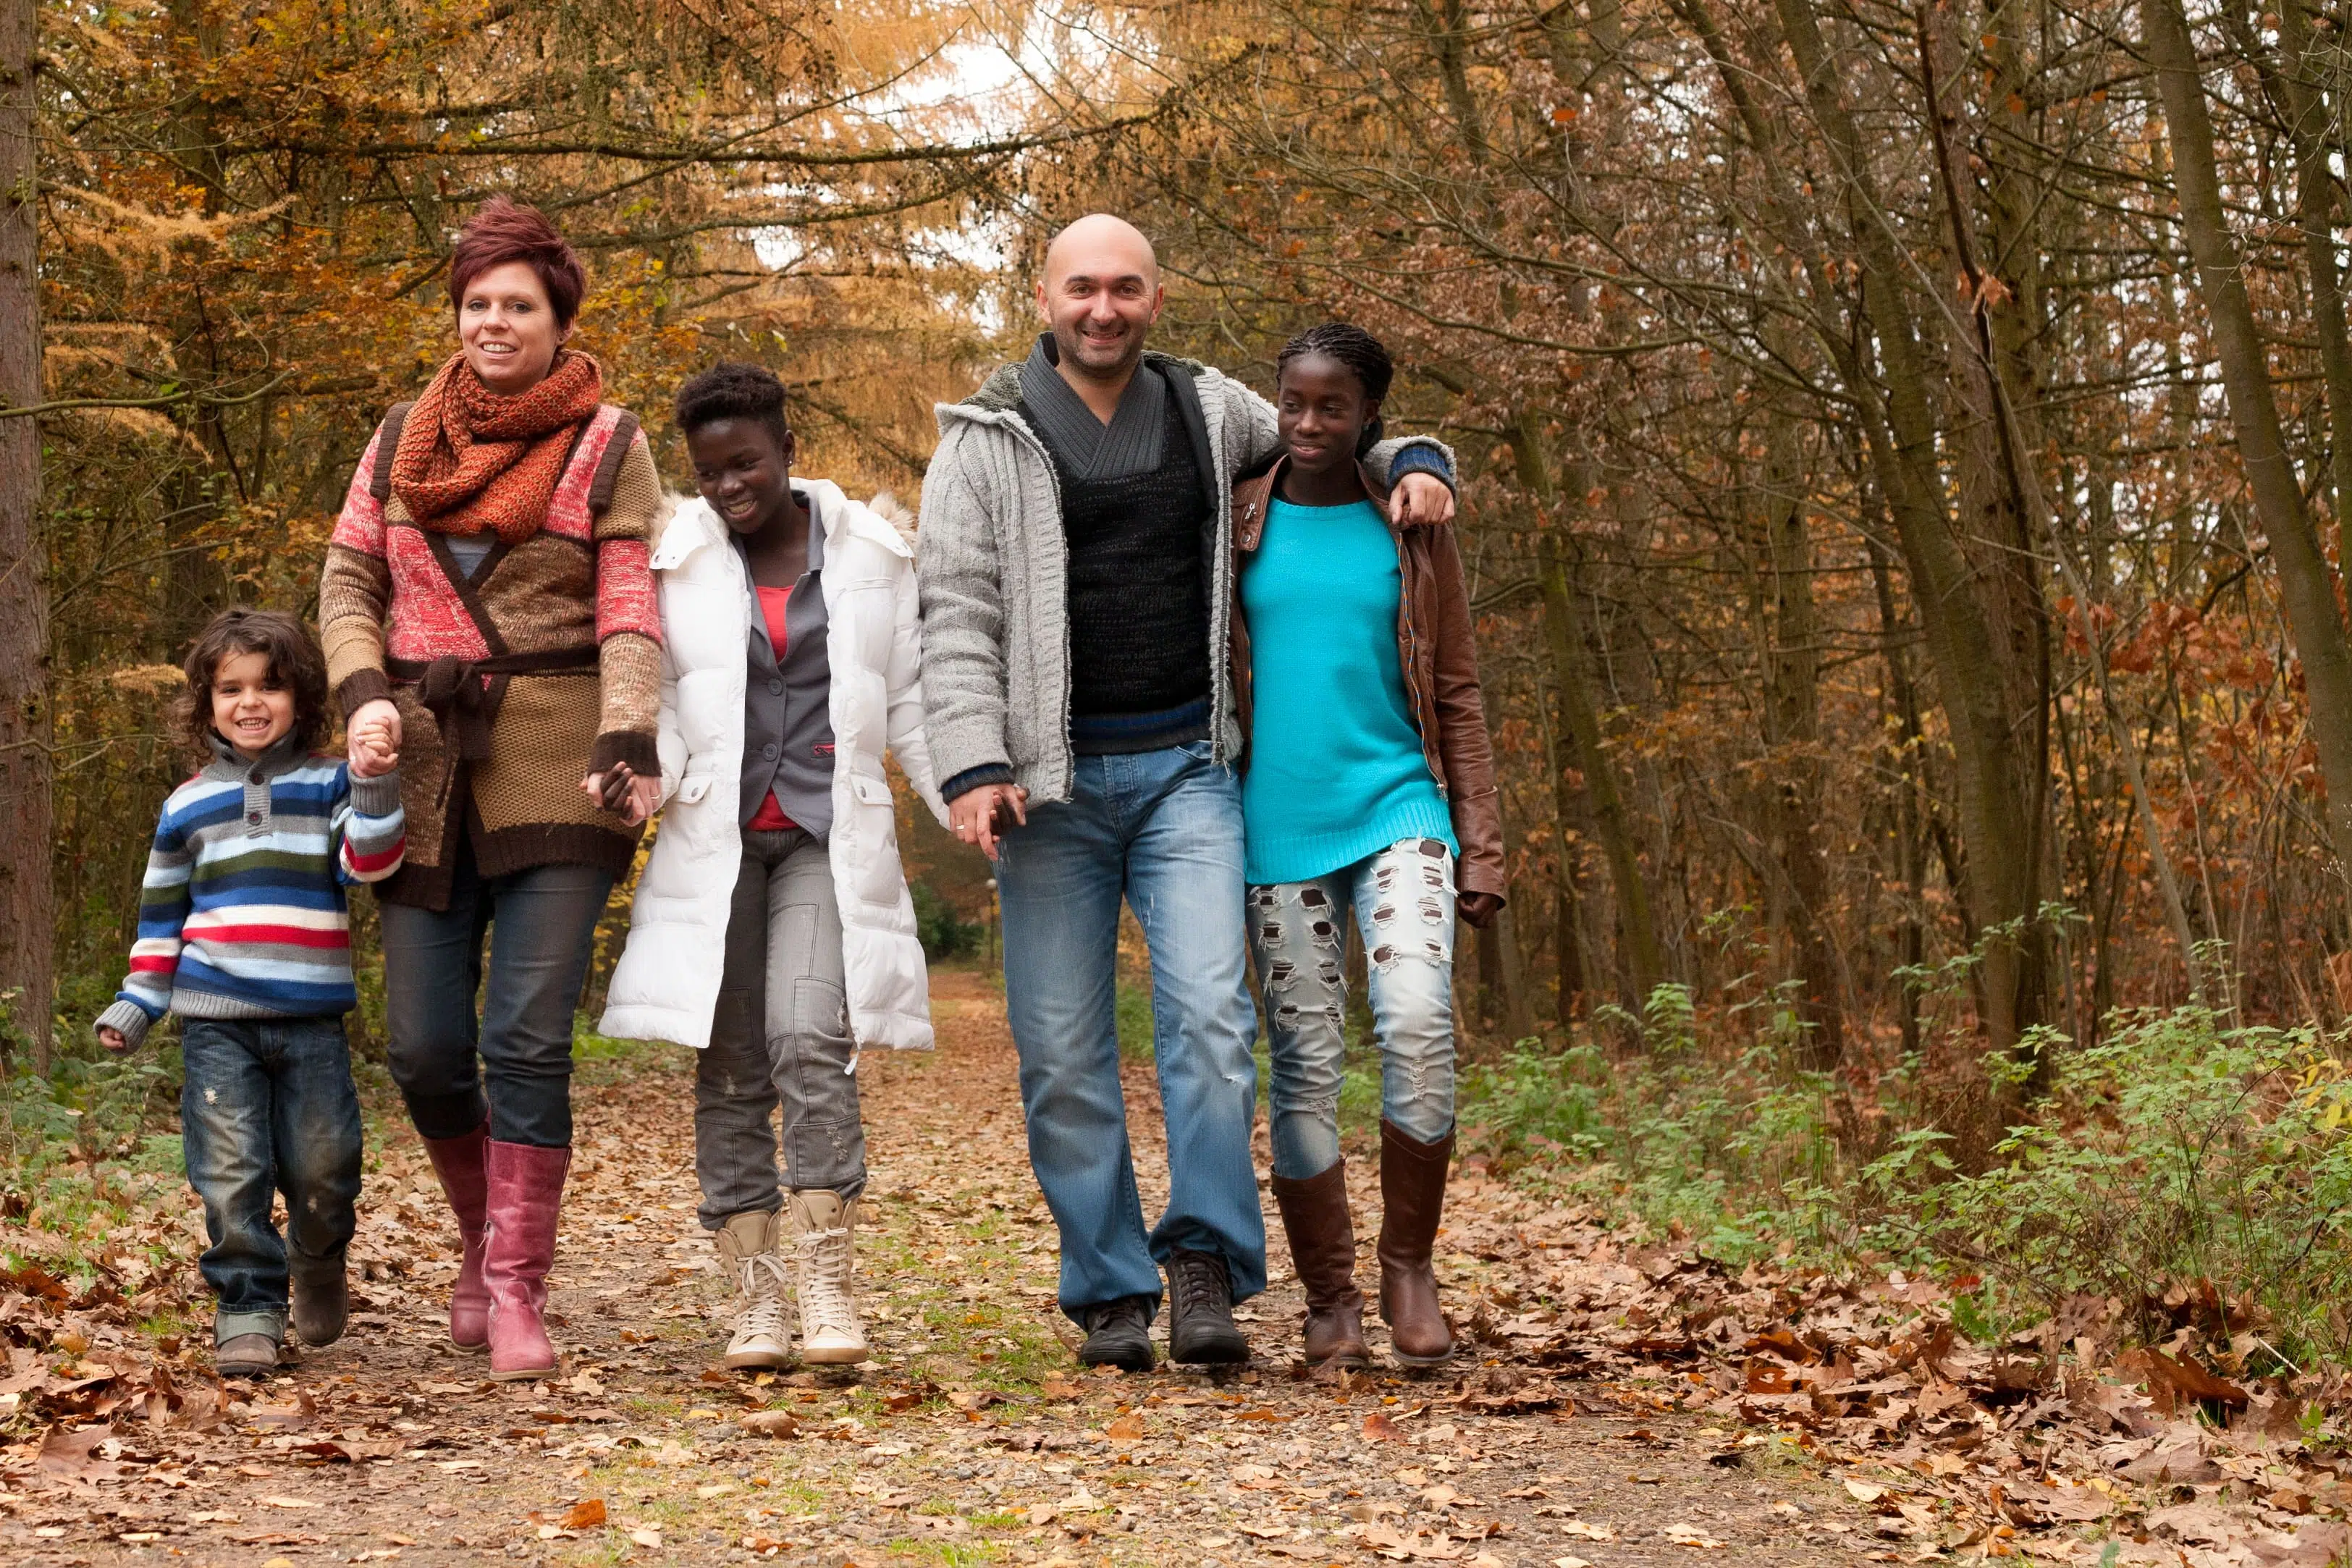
(763, 1335)
(830, 1333)
(1200, 1309)
(1118, 1334)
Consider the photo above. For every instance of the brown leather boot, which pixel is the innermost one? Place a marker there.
(1412, 1196)
(1323, 1250)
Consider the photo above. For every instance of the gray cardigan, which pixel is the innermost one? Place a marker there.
(990, 559)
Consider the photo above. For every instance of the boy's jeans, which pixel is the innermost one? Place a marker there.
(779, 1035)
(269, 1106)
(1404, 903)
(1164, 829)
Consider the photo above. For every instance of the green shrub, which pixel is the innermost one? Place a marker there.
(943, 933)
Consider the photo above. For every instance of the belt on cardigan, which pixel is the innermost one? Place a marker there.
(462, 694)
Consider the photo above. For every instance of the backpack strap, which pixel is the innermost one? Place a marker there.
(387, 443)
(608, 466)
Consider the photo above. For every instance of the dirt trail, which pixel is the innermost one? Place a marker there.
(972, 1436)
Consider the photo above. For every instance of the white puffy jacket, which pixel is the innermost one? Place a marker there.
(667, 982)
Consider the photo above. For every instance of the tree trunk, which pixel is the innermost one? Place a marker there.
(1792, 732)
(2307, 582)
(26, 922)
(1565, 630)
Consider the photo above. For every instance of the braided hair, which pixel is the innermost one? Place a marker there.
(733, 390)
(1359, 351)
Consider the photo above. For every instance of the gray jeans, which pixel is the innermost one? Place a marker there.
(780, 1038)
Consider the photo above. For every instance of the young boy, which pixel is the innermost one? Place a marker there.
(243, 932)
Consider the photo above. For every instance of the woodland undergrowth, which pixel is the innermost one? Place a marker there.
(2185, 1172)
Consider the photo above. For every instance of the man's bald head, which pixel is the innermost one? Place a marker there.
(1103, 245)
(1100, 295)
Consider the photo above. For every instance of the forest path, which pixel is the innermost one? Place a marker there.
(972, 1436)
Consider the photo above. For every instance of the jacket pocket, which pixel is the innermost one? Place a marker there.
(692, 788)
(870, 791)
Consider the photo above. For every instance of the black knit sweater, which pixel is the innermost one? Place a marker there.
(1138, 605)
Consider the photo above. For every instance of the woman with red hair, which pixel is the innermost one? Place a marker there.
(488, 610)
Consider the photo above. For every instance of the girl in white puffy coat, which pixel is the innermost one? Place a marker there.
(772, 929)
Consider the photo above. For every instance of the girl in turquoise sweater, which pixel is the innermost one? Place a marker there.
(1368, 785)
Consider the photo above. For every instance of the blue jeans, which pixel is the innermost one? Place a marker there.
(1164, 830)
(1404, 902)
(267, 1107)
(541, 923)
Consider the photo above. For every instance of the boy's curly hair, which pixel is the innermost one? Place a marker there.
(295, 663)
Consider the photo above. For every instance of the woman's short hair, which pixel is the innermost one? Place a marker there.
(733, 390)
(502, 230)
(295, 664)
(1358, 349)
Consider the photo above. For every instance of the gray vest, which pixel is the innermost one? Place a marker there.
(787, 722)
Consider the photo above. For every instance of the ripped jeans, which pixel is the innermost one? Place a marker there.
(1403, 900)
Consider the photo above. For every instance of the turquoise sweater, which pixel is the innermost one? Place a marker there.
(1336, 770)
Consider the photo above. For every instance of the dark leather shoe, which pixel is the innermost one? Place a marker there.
(1200, 1311)
(247, 1355)
(321, 1304)
(1323, 1252)
(1412, 1196)
(1118, 1334)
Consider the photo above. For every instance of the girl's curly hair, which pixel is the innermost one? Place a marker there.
(1361, 352)
(295, 663)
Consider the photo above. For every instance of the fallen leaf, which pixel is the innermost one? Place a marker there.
(288, 1502)
(588, 1513)
(1379, 1428)
(771, 1423)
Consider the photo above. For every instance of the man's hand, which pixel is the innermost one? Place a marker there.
(975, 814)
(1420, 497)
(112, 1039)
(1479, 909)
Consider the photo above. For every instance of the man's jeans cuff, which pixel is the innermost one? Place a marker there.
(229, 1325)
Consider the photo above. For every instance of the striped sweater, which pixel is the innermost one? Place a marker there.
(242, 915)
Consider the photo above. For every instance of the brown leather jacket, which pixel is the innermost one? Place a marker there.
(1434, 647)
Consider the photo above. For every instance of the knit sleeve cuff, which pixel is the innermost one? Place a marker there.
(1422, 457)
(634, 747)
(973, 778)
(361, 687)
(378, 796)
(128, 1017)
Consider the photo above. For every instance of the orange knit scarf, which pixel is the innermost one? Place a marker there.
(471, 458)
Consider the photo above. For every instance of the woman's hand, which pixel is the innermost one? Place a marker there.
(620, 789)
(1479, 909)
(371, 739)
(975, 814)
(1420, 497)
(112, 1039)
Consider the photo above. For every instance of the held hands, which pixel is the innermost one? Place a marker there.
(620, 789)
(112, 1039)
(977, 815)
(1478, 909)
(373, 739)
(1420, 497)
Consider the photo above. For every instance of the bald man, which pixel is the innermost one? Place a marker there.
(1076, 573)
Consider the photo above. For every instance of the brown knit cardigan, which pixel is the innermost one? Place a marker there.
(516, 682)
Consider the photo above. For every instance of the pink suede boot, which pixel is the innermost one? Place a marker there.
(458, 1161)
(526, 1194)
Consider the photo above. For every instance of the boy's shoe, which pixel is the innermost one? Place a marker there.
(830, 1333)
(1118, 1334)
(1200, 1309)
(320, 1307)
(248, 1356)
(763, 1337)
